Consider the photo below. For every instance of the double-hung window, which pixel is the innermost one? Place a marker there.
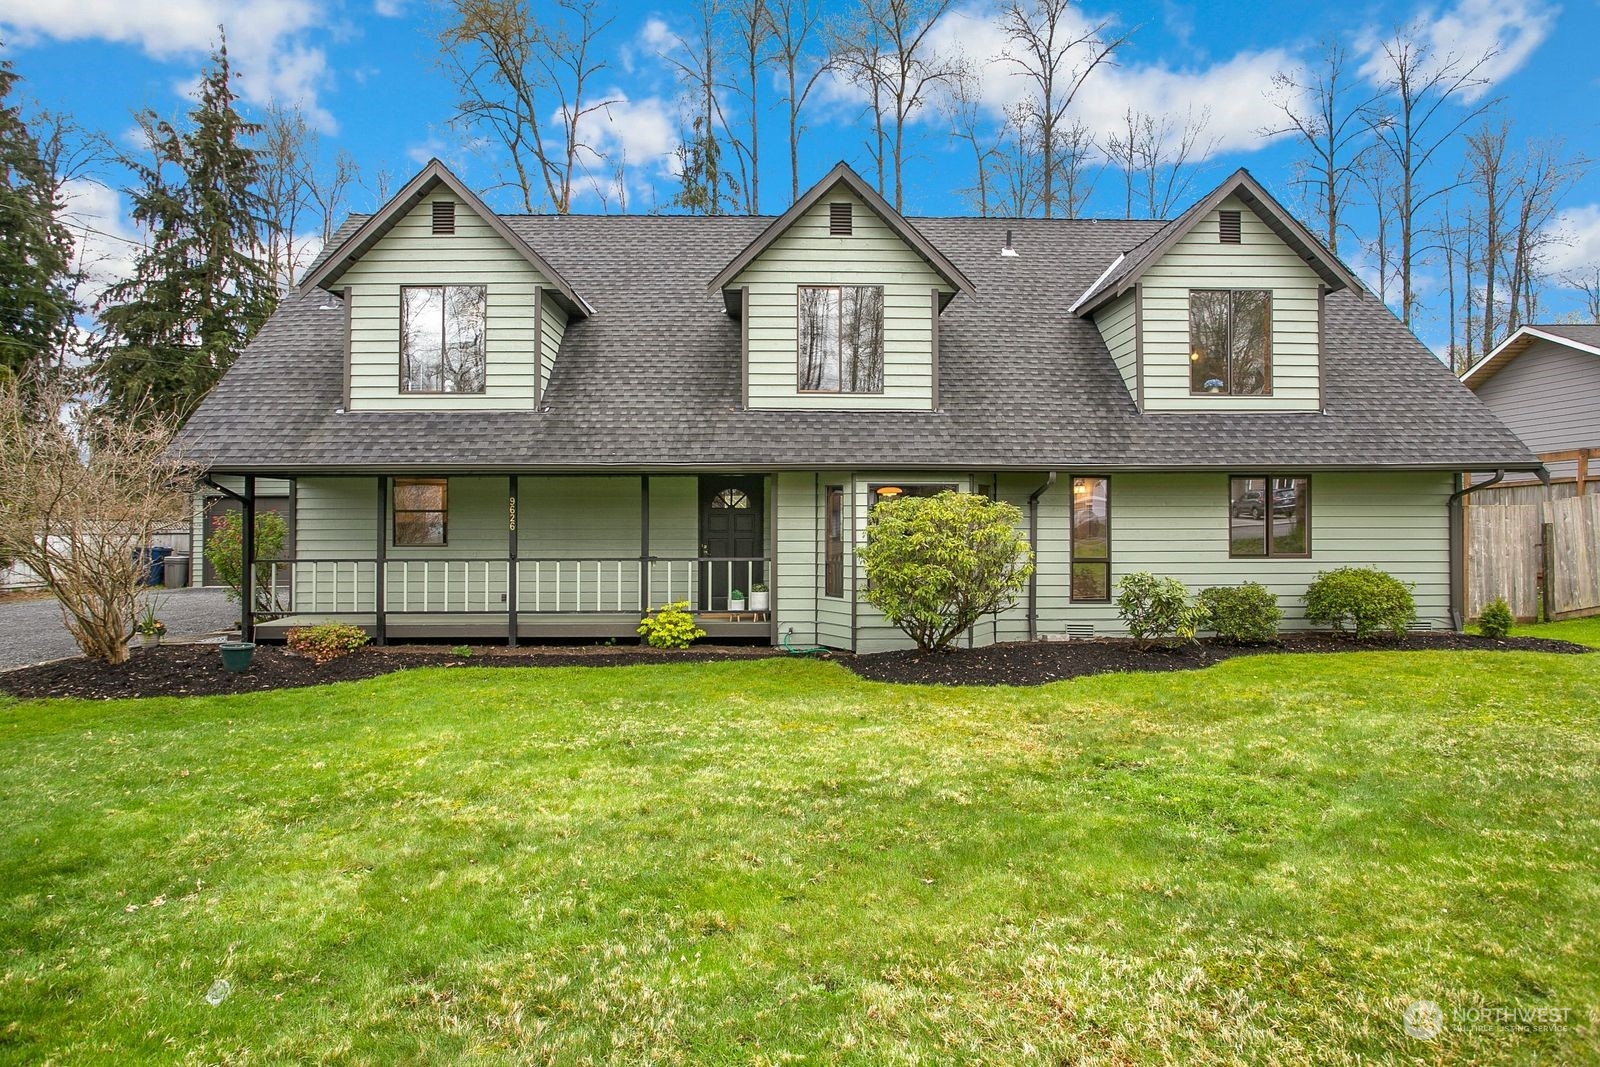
(442, 331)
(840, 338)
(421, 511)
(1230, 342)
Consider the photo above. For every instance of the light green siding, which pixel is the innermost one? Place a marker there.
(1117, 329)
(798, 568)
(552, 326)
(1260, 261)
(411, 254)
(872, 254)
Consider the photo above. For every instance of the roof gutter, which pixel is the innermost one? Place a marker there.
(1458, 538)
(1033, 539)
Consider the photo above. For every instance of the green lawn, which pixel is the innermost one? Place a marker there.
(776, 862)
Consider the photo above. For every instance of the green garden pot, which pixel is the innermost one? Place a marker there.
(236, 655)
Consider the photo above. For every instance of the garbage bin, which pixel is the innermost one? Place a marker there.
(152, 560)
(176, 572)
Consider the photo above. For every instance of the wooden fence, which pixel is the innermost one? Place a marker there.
(1534, 555)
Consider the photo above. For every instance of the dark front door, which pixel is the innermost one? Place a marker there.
(730, 538)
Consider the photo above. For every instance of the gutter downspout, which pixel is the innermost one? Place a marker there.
(1033, 540)
(1458, 594)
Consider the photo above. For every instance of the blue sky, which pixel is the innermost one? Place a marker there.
(365, 72)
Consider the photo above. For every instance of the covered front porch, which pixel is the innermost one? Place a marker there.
(481, 557)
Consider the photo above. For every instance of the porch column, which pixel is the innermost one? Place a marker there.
(644, 544)
(380, 628)
(512, 488)
(247, 556)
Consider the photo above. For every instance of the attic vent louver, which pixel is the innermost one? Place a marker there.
(444, 216)
(1229, 230)
(840, 223)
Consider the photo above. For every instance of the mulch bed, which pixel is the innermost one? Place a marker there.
(1038, 662)
(196, 670)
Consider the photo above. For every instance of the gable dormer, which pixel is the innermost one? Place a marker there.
(839, 302)
(447, 307)
(1221, 308)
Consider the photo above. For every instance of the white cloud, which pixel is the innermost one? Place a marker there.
(642, 133)
(1577, 244)
(389, 9)
(1232, 91)
(105, 244)
(1511, 29)
(268, 40)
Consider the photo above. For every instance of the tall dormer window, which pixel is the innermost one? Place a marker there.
(442, 330)
(840, 339)
(1230, 342)
(444, 216)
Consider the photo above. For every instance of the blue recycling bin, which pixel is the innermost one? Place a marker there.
(153, 560)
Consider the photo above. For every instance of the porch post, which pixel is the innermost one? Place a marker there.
(512, 488)
(644, 544)
(247, 556)
(380, 629)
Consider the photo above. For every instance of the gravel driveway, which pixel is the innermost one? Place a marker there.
(31, 630)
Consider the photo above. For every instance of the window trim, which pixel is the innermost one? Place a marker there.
(1267, 359)
(833, 537)
(1072, 540)
(1266, 532)
(400, 311)
(902, 484)
(841, 391)
(443, 512)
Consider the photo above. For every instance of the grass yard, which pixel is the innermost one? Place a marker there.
(777, 862)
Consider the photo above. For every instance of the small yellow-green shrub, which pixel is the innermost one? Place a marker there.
(670, 627)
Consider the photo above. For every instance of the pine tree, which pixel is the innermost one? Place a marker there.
(36, 305)
(203, 287)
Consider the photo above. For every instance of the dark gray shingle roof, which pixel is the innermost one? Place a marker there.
(651, 381)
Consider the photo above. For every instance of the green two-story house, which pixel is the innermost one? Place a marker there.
(512, 427)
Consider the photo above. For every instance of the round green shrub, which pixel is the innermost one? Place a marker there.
(936, 565)
(1157, 609)
(1245, 614)
(1363, 600)
(1496, 619)
(670, 627)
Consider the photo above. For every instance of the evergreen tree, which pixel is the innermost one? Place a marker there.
(203, 287)
(36, 304)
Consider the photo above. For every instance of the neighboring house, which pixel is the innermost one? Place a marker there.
(1544, 383)
(537, 426)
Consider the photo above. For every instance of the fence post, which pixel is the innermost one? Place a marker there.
(1547, 567)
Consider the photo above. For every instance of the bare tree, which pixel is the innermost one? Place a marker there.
(512, 71)
(78, 504)
(1325, 115)
(1056, 58)
(793, 27)
(751, 37)
(706, 187)
(1376, 175)
(1157, 158)
(885, 42)
(1415, 117)
(858, 53)
(1587, 282)
(1484, 172)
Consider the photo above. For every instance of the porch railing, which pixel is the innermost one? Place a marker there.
(478, 585)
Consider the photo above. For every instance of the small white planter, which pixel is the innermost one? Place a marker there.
(149, 640)
(758, 601)
(735, 605)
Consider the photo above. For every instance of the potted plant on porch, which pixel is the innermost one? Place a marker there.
(736, 600)
(759, 597)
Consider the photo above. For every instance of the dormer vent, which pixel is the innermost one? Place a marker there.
(444, 217)
(1229, 229)
(1008, 250)
(840, 220)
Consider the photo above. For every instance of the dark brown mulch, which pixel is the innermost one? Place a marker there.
(1038, 662)
(196, 670)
